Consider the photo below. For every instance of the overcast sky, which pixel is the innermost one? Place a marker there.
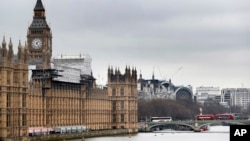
(191, 42)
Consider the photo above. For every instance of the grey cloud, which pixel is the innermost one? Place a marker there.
(200, 35)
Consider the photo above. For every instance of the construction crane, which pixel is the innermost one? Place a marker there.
(164, 78)
(171, 76)
(179, 69)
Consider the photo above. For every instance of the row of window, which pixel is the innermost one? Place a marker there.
(10, 100)
(115, 107)
(21, 122)
(115, 118)
(37, 32)
(14, 89)
(15, 75)
(121, 92)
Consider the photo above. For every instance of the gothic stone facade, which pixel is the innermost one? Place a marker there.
(47, 102)
(54, 103)
(122, 91)
(13, 92)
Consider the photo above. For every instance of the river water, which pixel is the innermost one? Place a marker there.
(216, 133)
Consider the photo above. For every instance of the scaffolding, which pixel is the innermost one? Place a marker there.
(82, 62)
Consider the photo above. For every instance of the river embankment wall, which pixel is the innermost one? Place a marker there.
(89, 134)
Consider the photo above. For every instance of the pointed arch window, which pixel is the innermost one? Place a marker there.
(113, 92)
(122, 92)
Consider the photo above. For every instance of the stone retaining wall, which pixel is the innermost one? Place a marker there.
(67, 136)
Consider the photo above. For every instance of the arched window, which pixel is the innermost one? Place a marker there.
(122, 92)
(113, 92)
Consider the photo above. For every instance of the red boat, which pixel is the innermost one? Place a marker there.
(205, 128)
(205, 117)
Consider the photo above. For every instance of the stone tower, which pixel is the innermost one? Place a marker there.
(13, 92)
(122, 90)
(39, 39)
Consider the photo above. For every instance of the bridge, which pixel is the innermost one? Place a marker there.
(192, 125)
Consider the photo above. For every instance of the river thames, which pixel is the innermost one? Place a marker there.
(216, 133)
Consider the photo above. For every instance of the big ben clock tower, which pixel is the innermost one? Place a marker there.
(39, 39)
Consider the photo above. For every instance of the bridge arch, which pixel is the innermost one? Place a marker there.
(194, 125)
(171, 125)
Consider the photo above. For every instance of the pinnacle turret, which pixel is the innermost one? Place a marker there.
(19, 44)
(10, 43)
(19, 53)
(4, 49)
(4, 42)
(10, 53)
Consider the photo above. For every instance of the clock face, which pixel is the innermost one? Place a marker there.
(36, 43)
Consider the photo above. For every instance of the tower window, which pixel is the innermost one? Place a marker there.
(113, 92)
(24, 100)
(24, 123)
(38, 14)
(122, 117)
(113, 105)
(122, 92)
(37, 32)
(122, 105)
(8, 99)
(114, 118)
(8, 120)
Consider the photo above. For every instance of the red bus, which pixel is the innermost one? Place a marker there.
(205, 117)
(224, 116)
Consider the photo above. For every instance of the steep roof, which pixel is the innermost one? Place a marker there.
(39, 6)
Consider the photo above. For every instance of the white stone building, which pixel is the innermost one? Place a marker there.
(241, 97)
(204, 93)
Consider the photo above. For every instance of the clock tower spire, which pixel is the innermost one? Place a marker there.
(39, 6)
(39, 39)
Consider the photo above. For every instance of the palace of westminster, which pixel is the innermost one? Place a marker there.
(49, 99)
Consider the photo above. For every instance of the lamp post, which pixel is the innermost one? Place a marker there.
(200, 111)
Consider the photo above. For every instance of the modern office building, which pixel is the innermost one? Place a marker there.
(226, 96)
(205, 93)
(236, 97)
(241, 98)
